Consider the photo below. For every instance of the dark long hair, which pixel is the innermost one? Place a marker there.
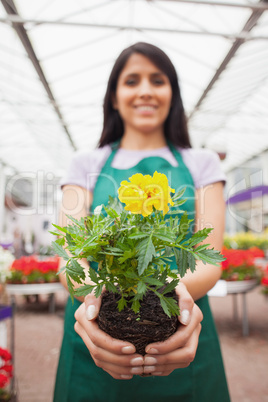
(175, 126)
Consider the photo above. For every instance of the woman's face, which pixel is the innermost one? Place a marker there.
(143, 96)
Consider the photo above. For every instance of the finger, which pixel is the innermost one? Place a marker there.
(92, 306)
(119, 377)
(99, 338)
(179, 358)
(180, 338)
(186, 303)
(106, 359)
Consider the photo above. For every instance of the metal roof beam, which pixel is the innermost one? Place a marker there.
(249, 25)
(22, 34)
(17, 21)
(257, 6)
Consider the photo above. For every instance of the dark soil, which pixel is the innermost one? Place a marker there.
(151, 324)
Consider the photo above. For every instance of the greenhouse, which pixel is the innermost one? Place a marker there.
(138, 103)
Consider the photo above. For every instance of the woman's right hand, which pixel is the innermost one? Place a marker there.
(116, 357)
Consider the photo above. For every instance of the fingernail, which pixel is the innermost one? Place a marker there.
(136, 370)
(152, 351)
(150, 361)
(148, 369)
(128, 349)
(91, 312)
(126, 377)
(184, 317)
(137, 361)
(158, 373)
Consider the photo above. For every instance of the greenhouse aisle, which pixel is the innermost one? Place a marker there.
(38, 337)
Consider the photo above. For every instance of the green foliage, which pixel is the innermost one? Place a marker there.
(133, 253)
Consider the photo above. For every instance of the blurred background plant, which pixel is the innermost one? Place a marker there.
(264, 282)
(246, 240)
(6, 259)
(240, 265)
(32, 269)
(6, 373)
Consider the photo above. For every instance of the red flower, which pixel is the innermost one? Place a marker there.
(240, 264)
(3, 380)
(32, 265)
(264, 281)
(8, 368)
(5, 355)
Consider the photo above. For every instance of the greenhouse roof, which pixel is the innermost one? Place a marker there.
(56, 56)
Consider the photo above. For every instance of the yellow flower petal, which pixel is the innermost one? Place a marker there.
(144, 192)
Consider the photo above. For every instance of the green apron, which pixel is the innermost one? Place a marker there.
(78, 378)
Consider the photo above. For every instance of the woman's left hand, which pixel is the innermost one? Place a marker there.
(179, 350)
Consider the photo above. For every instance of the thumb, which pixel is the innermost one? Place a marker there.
(92, 306)
(186, 303)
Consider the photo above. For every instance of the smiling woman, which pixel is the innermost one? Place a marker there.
(145, 131)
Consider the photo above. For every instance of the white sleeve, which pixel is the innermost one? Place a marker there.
(85, 167)
(204, 165)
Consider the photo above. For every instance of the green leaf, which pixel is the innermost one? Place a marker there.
(60, 241)
(201, 247)
(93, 275)
(70, 240)
(84, 290)
(153, 281)
(163, 277)
(184, 224)
(181, 257)
(111, 287)
(172, 306)
(90, 243)
(98, 290)
(141, 288)
(135, 306)
(210, 256)
(61, 229)
(55, 233)
(111, 212)
(170, 286)
(165, 306)
(131, 275)
(80, 224)
(70, 287)
(170, 238)
(127, 255)
(146, 251)
(199, 236)
(138, 235)
(178, 195)
(75, 271)
(122, 303)
(191, 262)
(60, 251)
(115, 204)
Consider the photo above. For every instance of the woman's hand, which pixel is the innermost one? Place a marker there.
(116, 357)
(179, 350)
(119, 359)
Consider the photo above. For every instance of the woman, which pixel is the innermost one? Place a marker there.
(145, 130)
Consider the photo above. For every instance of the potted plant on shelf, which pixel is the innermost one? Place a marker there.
(264, 282)
(6, 373)
(130, 250)
(239, 269)
(30, 269)
(6, 259)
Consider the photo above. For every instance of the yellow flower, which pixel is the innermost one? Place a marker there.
(142, 193)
